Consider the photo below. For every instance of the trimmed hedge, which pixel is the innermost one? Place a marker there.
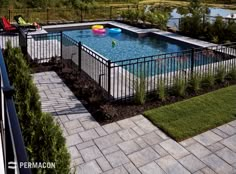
(42, 136)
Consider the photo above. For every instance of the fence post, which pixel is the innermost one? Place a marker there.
(47, 16)
(110, 12)
(61, 45)
(9, 15)
(81, 14)
(192, 60)
(79, 56)
(109, 79)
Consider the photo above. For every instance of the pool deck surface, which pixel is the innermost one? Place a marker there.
(132, 145)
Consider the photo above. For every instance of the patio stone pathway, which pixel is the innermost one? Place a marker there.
(132, 145)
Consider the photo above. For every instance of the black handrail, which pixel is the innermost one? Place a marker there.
(12, 123)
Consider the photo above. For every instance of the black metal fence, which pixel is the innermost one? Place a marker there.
(14, 151)
(65, 15)
(42, 48)
(119, 78)
(174, 23)
(12, 37)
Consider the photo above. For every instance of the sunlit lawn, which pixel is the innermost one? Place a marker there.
(196, 115)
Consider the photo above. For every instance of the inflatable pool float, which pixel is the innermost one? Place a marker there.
(114, 30)
(97, 27)
(99, 31)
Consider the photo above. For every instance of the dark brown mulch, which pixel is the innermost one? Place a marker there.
(94, 97)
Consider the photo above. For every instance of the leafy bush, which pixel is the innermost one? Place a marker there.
(43, 138)
(195, 82)
(221, 74)
(161, 93)
(140, 90)
(180, 87)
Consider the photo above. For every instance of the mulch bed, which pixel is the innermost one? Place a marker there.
(94, 98)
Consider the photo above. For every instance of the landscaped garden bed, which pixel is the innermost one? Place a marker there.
(94, 98)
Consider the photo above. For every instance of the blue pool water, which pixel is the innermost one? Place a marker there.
(127, 46)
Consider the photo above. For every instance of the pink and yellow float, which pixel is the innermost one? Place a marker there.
(99, 31)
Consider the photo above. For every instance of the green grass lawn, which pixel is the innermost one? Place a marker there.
(187, 118)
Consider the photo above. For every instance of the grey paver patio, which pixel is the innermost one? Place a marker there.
(132, 145)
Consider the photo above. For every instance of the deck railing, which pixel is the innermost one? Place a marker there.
(14, 151)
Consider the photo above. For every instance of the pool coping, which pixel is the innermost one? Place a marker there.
(174, 36)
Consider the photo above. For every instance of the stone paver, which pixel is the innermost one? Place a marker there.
(152, 138)
(198, 150)
(108, 141)
(88, 135)
(176, 150)
(129, 147)
(88, 168)
(215, 147)
(118, 170)
(151, 168)
(230, 130)
(126, 123)
(90, 153)
(127, 134)
(191, 163)
(117, 158)
(131, 168)
(230, 142)
(73, 140)
(228, 155)
(171, 166)
(143, 157)
(132, 145)
(112, 127)
(104, 164)
(207, 138)
(74, 153)
(217, 164)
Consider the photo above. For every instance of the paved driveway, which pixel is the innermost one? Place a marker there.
(132, 145)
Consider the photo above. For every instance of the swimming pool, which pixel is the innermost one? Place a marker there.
(125, 45)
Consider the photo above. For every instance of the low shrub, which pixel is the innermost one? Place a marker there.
(221, 74)
(140, 90)
(161, 93)
(208, 80)
(42, 137)
(180, 87)
(195, 82)
(232, 73)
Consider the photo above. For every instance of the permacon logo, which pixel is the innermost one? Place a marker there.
(32, 165)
